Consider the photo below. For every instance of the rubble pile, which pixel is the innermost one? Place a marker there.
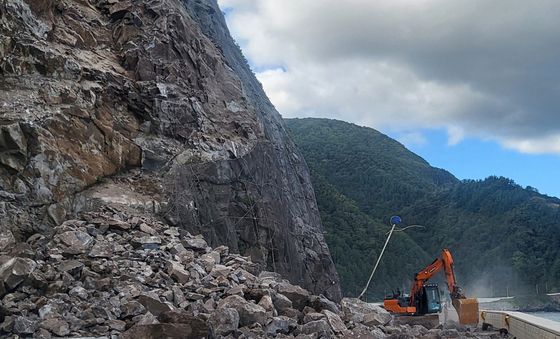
(113, 275)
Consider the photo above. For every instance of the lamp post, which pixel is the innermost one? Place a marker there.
(395, 220)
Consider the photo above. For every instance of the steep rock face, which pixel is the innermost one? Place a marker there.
(90, 89)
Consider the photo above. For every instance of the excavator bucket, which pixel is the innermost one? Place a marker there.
(467, 309)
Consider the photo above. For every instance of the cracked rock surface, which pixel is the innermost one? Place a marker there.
(149, 105)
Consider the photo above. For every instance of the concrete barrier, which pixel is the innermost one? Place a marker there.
(521, 325)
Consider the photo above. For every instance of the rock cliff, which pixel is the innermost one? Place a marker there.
(150, 105)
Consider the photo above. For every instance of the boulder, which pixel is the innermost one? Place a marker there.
(318, 327)
(146, 242)
(24, 325)
(375, 319)
(418, 330)
(78, 292)
(147, 229)
(102, 249)
(154, 306)
(72, 267)
(363, 332)
(312, 316)
(297, 295)
(320, 303)
(157, 331)
(210, 259)
(119, 225)
(224, 321)
(177, 271)
(75, 242)
(292, 313)
(450, 333)
(56, 326)
(280, 325)
(361, 312)
(281, 302)
(14, 271)
(118, 325)
(199, 328)
(6, 240)
(266, 303)
(335, 322)
(270, 277)
(198, 244)
(132, 308)
(249, 313)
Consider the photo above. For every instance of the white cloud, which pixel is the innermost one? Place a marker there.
(412, 139)
(545, 144)
(471, 67)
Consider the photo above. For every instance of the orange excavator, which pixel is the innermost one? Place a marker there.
(425, 298)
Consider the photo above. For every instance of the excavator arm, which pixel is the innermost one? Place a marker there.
(467, 308)
(445, 262)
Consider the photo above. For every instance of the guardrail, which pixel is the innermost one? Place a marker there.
(521, 325)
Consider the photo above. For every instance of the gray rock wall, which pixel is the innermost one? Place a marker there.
(89, 90)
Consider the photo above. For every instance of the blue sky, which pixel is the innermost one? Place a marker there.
(477, 159)
(472, 86)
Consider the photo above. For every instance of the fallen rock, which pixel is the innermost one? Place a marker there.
(72, 267)
(249, 313)
(320, 303)
(56, 326)
(318, 327)
(14, 271)
(24, 325)
(418, 330)
(361, 312)
(177, 271)
(224, 321)
(297, 295)
(118, 325)
(132, 308)
(199, 327)
(6, 240)
(450, 333)
(312, 316)
(146, 242)
(154, 306)
(266, 303)
(335, 322)
(280, 325)
(198, 244)
(281, 302)
(158, 331)
(102, 249)
(75, 242)
(147, 229)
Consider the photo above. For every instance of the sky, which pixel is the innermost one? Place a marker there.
(473, 86)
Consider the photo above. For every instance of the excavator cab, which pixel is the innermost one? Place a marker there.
(429, 300)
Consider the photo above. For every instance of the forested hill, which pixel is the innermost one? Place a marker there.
(379, 174)
(501, 234)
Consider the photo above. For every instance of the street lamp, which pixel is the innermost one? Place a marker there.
(395, 220)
